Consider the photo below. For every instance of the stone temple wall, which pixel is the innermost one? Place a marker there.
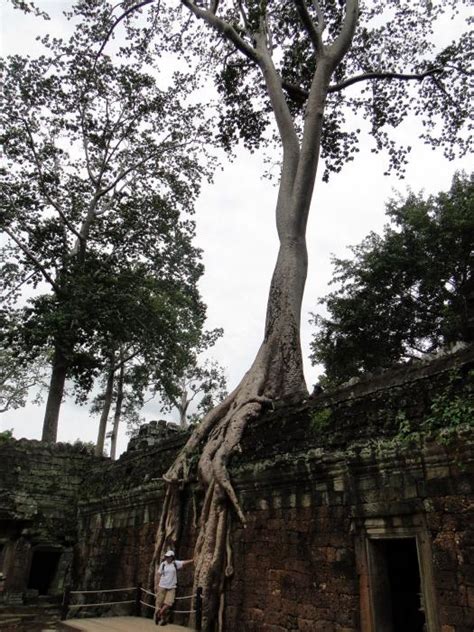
(39, 487)
(343, 495)
(359, 510)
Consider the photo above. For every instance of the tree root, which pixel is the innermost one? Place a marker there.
(218, 437)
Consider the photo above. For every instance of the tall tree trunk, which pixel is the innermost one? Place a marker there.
(118, 413)
(467, 309)
(109, 391)
(60, 366)
(277, 371)
(183, 406)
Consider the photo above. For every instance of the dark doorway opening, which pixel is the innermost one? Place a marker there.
(396, 585)
(43, 570)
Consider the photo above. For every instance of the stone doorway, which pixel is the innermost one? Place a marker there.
(396, 585)
(394, 563)
(44, 565)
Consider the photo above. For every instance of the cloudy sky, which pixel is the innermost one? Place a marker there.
(235, 229)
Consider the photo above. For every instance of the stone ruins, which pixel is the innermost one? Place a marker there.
(359, 507)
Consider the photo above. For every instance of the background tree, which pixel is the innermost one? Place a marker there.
(101, 163)
(133, 379)
(17, 380)
(208, 383)
(124, 383)
(202, 384)
(405, 293)
(307, 65)
(144, 326)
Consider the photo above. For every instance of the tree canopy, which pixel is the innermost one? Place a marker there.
(103, 164)
(404, 293)
(398, 63)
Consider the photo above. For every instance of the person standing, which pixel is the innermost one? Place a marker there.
(166, 579)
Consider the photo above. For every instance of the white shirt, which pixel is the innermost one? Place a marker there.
(168, 575)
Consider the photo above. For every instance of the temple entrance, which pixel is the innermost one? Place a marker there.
(44, 565)
(396, 585)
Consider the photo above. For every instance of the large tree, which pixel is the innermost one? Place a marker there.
(405, 293)
(101, 168)
(143, 327)
(316, 68)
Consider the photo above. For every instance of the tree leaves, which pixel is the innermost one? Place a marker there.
(405, 293)
(103, 166)
(398, 65)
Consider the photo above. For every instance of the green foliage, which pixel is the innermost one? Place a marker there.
(102, 168)
(84, 447)
(451, 412)
(404, 293)
(393, 41)
(6, 435)
(320, 420)
(16, 379)
(29, 7)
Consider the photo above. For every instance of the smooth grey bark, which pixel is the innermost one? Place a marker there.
(59, 367)
(182, 406)
(109, 389)
(118, 412)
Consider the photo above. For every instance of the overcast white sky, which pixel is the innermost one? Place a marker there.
(235, 229)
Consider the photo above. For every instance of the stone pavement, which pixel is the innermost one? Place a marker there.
(118, 624)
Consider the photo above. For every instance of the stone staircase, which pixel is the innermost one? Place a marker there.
(38, 617)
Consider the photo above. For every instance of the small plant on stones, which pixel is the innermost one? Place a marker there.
(320, 420)
(6, 435)
(449, 414)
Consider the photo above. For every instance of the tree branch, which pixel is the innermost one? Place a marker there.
(319, 13)
(86, 150)
(442, 89)
(342, 43)
(123, 174)
(223, 27)
(108, 155)
(20, 391)
(130, 10)
(123, 361)
(108, 204)
(241, 10)
(284, 120)
(383, 75)
(43, 189)
(92, 210)
(32, 257)
(300, 95)
(313, 32)
(19, 285)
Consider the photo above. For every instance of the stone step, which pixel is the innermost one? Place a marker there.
(37, 613)
(29, 619)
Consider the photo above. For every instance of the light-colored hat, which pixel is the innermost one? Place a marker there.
(169, 553)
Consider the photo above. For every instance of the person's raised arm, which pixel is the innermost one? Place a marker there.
(187, 562)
